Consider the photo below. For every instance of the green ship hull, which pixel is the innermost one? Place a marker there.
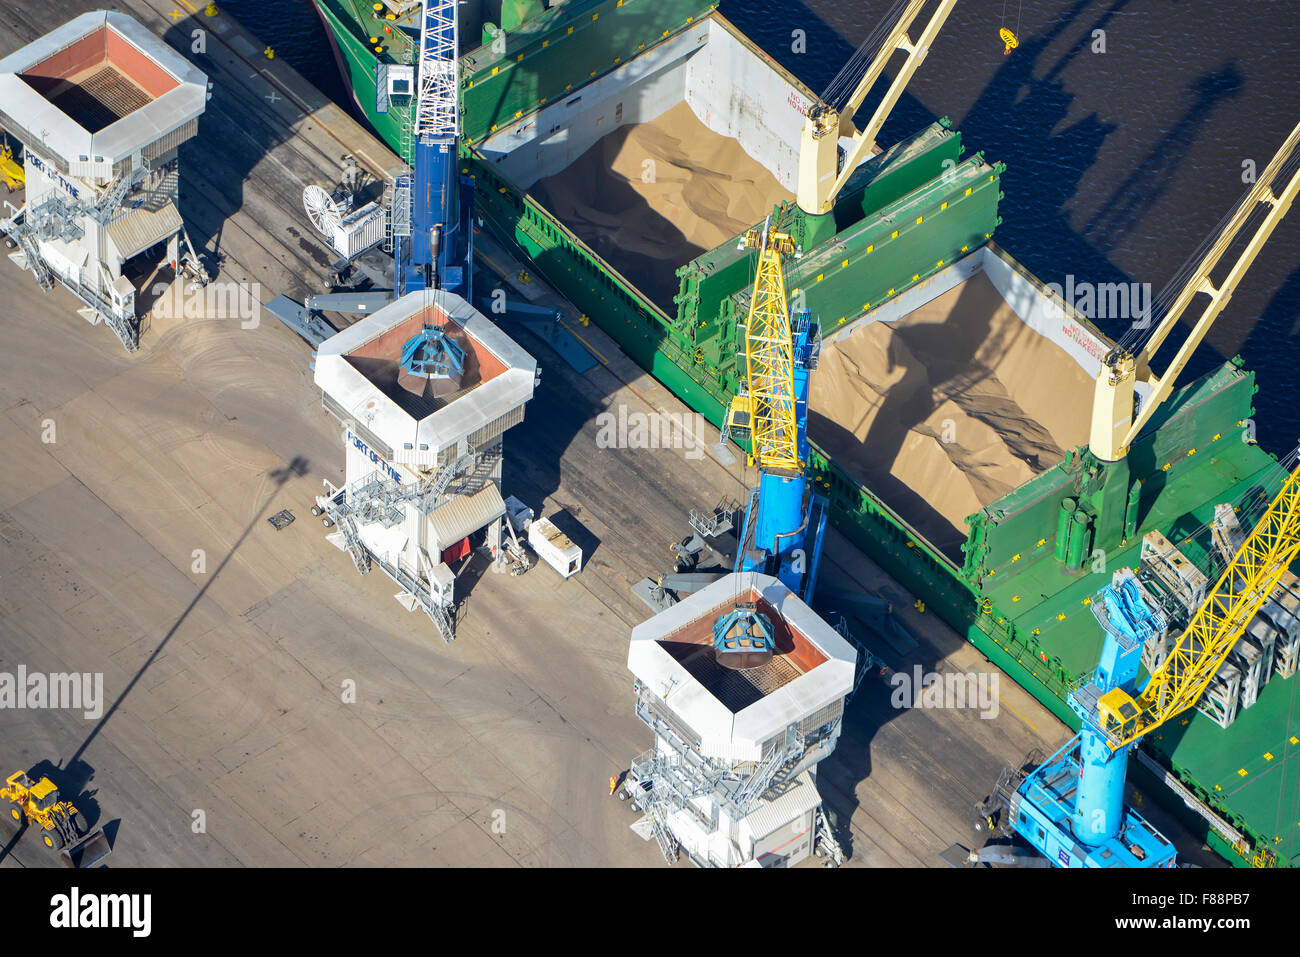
(917, 212)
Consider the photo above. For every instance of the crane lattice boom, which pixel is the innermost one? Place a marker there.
(437, 111)
(769, 357)
(1221, 619)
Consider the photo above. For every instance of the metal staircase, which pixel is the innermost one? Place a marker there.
(107, 207)
(765, 775)
(22, 234)
(473, 469)
(668, 845)
(436, 611)
(343, 519)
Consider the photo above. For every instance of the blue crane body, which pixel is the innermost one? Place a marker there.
(787, 522)
(436, 254)
(1071, 808)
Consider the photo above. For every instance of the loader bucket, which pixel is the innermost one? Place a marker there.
(88, 850)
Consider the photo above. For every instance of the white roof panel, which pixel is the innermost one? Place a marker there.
(60, 134)
(722, 733)
(794, 802)
(364, 400)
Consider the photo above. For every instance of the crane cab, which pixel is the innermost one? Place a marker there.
(1117, 711)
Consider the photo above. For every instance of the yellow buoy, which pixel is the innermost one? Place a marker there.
(1008, 40)
(269, 53)
(210, 10)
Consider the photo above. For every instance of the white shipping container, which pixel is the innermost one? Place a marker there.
(554, 547)
(359, 231)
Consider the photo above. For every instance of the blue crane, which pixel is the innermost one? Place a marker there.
(433, 251)
(1071, 807)
(782, 532)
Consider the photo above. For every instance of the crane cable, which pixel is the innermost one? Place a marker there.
(845, 82)
(1136, 338)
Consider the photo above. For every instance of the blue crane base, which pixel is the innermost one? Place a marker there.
(1044, 815)
(438, 251)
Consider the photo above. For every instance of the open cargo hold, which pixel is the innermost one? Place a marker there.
(904, 258)
(650, 197)
(897, 211)
(948, 408)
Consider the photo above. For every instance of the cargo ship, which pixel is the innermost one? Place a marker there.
(620, 146)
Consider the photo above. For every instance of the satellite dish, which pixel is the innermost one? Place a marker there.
(324, 212)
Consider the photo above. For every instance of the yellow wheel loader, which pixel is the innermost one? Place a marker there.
(11, 171)
(60, 825)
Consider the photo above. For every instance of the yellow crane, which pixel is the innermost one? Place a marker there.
(782, 533)
(765, 406)
(1126, 370)
(1220, 620)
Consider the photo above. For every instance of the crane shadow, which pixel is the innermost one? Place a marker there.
(297, 466)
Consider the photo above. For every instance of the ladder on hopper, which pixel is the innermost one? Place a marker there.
(667, 843)
(397, 197)
(107, 207)
(20, 230)
(33, 260)
(475, 466)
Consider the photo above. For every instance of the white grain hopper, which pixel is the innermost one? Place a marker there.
(731, 779)
(423, 452)
(101, 105)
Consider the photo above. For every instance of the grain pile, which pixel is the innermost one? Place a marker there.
(949, 408)
(651, 197)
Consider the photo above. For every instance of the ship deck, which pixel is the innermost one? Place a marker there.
(134, 544)
(1253, 767)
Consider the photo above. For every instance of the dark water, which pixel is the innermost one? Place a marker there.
(1118, 163)
(294, 30)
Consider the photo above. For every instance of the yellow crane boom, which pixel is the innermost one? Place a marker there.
(765, 407)
(1221, 619)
